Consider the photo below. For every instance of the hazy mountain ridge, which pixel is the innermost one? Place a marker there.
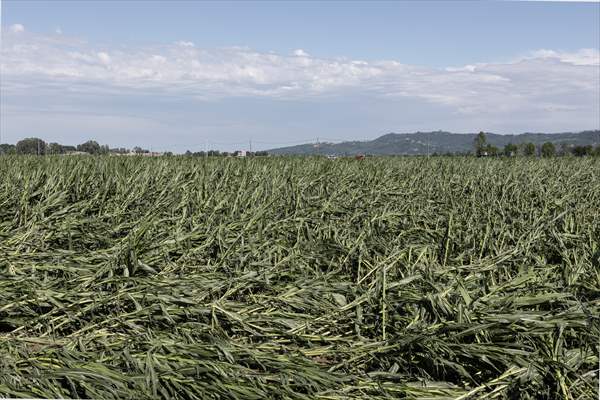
(436, 142)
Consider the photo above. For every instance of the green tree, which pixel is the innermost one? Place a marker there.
(510, 150)
(6, 148)
(491, 150)
(139, 150)
(480, 144)
(581, 151)
(548, 149)
(91, 147)
(55, 148)
(31, 146)
(529, 149)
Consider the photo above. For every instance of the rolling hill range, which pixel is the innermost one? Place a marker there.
(435, 142)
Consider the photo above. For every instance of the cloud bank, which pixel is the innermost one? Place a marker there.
(543, 84)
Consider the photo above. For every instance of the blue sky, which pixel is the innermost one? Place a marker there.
(176, 75)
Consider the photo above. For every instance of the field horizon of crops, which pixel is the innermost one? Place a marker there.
(293, 278)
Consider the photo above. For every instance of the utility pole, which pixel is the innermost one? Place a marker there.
(250, 141)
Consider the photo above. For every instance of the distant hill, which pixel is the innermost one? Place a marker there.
(436, 142)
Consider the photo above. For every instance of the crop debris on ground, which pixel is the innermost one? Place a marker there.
(299, 278)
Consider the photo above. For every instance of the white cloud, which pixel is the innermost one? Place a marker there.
(468, 68)
(300, 53)
(158, 59)
(104, 58)
(185, 44)
(582, 57)
(17, 28)
(58, 30)
(542, 81)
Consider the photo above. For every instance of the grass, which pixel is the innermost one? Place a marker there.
(288, 278)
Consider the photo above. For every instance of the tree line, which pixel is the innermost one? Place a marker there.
(36, 146)
(546, 149)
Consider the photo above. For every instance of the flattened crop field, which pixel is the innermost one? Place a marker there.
(289, 278)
